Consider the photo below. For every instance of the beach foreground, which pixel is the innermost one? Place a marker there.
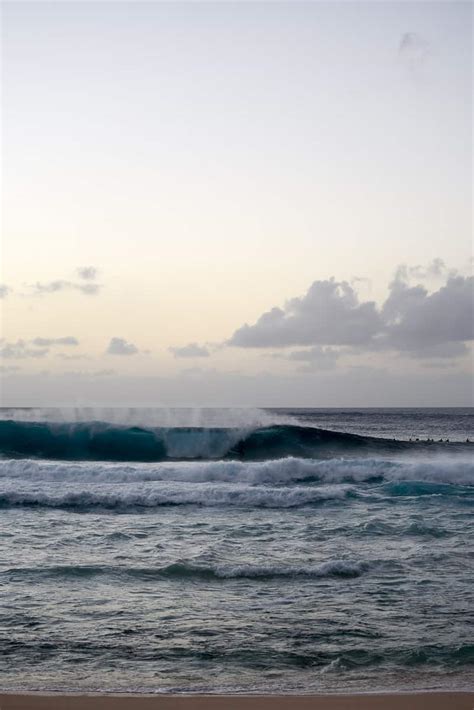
(400, 701)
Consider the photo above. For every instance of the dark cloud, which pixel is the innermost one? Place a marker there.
(88, 273)
(411, 321)
(4, 290)
(329, 314)
(49, 342)
(191, 350)
(20, 350)
(119, 346)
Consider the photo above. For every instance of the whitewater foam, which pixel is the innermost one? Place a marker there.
(281, 471)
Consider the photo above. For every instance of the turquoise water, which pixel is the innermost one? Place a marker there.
(158, 551)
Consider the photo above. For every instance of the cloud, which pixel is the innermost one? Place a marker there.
(412, 321)
(429, 324)
(20, 350)
(88, 273)
(84, 373)
(437, 268)
(329, 314)
(413, 51)
(49, 342)
(119, 346)
(316, 358)
(67, 356)
(41, 289)
(191, 350)
(4, 290)
(85, 273)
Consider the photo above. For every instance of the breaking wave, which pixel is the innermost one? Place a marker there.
(285, 471)
(145, 496)
(100, 441)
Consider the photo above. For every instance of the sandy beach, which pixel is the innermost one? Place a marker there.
(400, 701)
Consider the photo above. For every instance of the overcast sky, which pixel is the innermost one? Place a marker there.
(237, 203)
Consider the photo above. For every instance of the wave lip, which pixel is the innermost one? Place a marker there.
(100, 441)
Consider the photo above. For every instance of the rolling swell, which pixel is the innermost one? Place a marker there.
(344, 569)
(99, 441)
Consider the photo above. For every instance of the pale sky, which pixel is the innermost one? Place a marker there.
(174, 171)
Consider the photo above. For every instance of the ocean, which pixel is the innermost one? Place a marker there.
(236, 551)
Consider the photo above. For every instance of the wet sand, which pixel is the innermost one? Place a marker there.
(400, 701)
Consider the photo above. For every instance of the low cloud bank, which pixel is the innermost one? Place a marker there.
(412, 320)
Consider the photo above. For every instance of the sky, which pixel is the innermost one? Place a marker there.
(236, 203)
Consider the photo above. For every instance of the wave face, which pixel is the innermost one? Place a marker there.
(100, 441)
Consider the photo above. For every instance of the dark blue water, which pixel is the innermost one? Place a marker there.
(236, 550)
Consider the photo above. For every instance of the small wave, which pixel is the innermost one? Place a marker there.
(100, 441)
(333, 568)
(185, 569)
(170, 494)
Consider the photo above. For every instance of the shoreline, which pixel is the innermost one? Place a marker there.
(418, 700)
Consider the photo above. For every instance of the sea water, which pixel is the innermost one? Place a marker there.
(235, 550)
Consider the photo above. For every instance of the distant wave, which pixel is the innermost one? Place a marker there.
(99, 441)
